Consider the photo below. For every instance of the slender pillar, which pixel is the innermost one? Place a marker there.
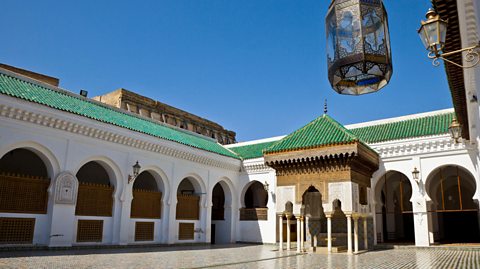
(288, 232)
(280, 232)
(355, 233)
(365, 235)
(329, 233)
(298, 234)
(349, 233)
(302, 233)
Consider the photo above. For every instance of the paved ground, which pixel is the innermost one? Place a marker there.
(239, 256)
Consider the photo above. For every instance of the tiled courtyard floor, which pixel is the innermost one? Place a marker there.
(238, 256)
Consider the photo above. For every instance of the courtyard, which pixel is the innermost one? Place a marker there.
(240, 256)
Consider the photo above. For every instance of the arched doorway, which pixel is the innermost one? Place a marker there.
(221, 214)
(394, 213)
(146, 206)
(315, 220)
(255, 203)
(24, 182)
(188, 208)
(95, 199)
(454, 213)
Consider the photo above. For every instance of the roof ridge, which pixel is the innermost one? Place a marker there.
(341, 127)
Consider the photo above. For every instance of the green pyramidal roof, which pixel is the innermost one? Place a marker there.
(60, 100)
(323, 131)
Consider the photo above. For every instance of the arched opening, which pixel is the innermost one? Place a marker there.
(255, 201)
(453, 210)
(95, 198)
(221, 214)
(315, 222)
(24, 183)
(146, 204)
(394, 210)
(339, 225)
(188, 207)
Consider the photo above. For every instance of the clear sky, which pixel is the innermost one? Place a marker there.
(257, 67)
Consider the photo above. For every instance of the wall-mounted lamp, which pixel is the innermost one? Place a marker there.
(433, 33)
(265, 186)
(136, 169)
(416, 175)
(455, 130)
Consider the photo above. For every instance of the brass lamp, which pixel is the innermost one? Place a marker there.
(136, 169)
(455, 130)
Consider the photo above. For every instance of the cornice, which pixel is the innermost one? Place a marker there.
(428, 145)
(257, 168)
(176, 151)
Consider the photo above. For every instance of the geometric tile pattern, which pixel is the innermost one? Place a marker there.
(239, 256)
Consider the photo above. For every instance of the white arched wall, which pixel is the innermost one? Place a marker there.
(42, 221)
(161, 225)
(258, 231)
(225, 230)
(110, 224)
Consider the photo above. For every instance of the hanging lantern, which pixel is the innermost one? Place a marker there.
(358, 46)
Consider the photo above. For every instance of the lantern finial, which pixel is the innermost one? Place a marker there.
(325, 108)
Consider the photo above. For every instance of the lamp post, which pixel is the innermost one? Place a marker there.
(433, 33)
(455, 130)
(136, 169)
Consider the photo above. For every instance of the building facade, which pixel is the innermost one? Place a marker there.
(67, 174)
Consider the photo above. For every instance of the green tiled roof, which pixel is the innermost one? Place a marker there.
(252, 151)
(322, 131)
(423, 126)
(18, 88)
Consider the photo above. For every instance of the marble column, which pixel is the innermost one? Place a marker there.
(349, 234)
(329, 233)
(280, 231)
(365, 234)
(355, 234)
(302, 233)
(298, 234)
(288, 232)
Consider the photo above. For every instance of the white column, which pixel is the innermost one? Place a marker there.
(302, 232)
(365, 235)
(349, 233)
(280, 232)
(288, 232)
(329, 233)
(355, 233)
(298, 235)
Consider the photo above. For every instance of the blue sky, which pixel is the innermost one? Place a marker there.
(257, 67)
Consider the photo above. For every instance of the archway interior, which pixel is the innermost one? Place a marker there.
(255, 201)
(188, 200)
(316, 221)
(454, 212)
(396, 209)
(23, 182)
(218, 203)
(95, 192)
(147, 197)
(256, 196)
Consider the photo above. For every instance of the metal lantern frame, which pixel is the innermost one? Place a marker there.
(358, 46)
(433, 33)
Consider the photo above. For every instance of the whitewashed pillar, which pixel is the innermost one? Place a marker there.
(302, 233)
(298, 235)
(329, 233)
(288, 233)
(349, 234)
(365, 235)
(355, 234)
(280, 231)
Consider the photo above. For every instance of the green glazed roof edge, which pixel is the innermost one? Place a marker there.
(57, 98)
(252, 151)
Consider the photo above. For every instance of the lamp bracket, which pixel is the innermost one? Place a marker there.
(472, 57)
